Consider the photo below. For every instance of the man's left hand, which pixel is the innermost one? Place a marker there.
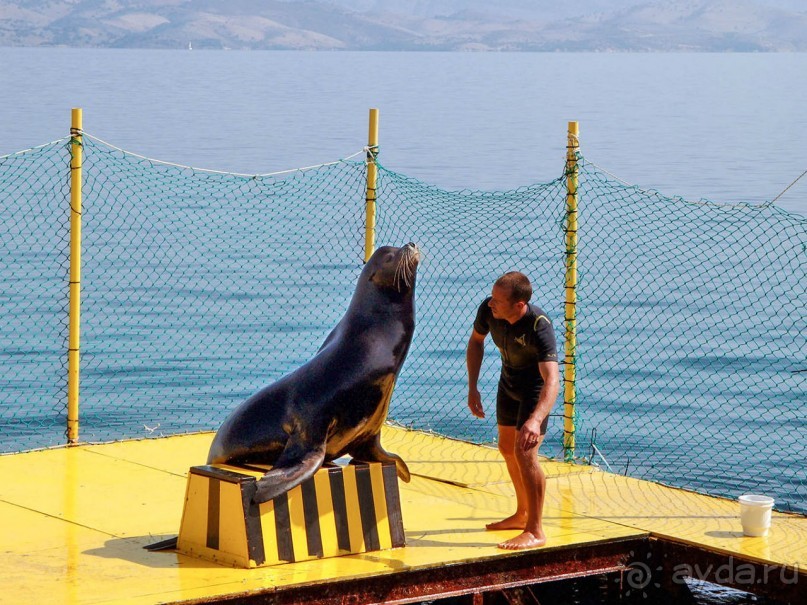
(530, 433)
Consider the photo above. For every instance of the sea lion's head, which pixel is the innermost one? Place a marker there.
(394, 268)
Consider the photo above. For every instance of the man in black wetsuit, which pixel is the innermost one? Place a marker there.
(528, 386)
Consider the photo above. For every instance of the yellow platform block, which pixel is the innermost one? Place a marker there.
(341, 510)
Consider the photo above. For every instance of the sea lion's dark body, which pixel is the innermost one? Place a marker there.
(336, 403)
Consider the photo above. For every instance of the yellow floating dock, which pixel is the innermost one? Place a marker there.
(75, 520)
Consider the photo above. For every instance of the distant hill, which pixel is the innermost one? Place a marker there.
(472, 25)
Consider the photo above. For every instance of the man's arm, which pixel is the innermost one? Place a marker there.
(473, 360)
(530, 433)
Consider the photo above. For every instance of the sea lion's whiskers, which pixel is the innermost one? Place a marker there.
(405, 269)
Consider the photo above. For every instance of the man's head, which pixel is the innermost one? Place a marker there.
(518, 286)
(511, 293)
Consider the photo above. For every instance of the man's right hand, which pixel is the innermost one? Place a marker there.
(475, 403)
(473, 359)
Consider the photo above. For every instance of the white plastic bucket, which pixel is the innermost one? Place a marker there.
(755, 514)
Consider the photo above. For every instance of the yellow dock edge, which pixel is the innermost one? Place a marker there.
(75, 521)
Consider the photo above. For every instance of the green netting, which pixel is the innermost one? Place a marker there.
(469, 238)
(35, 210)
(198, 288)
(692, 335)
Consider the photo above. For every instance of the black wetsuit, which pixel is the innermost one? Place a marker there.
(522, 345)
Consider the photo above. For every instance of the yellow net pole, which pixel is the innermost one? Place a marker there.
(75, 276)
(372, 176)
(569, 393)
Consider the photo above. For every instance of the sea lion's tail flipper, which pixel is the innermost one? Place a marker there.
(163, 545)
(371, 451)
(298, 462)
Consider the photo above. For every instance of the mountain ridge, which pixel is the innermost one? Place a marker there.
(438, 25)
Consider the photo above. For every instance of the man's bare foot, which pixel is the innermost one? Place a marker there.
(524, 540)
(516, 521)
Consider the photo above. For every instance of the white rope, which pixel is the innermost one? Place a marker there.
(370, 154)
(3, 157)
(789, 186)
(266, 174)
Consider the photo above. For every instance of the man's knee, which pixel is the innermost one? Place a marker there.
(524, 457)
(528, 457)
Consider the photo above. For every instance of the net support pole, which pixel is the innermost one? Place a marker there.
(569, 393)
(372, 176)
(73, 345)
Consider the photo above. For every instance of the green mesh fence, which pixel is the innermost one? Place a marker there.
(692, 340)
(35, 210)
(469, 238)
(198, 288)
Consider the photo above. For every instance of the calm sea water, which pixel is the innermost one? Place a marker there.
(729, 128)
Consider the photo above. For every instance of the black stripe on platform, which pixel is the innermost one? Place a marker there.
(285, 546)
(313, 535)
(252, 522)
(213, 513)
(369, 523)
(339, 508)
(393, 497)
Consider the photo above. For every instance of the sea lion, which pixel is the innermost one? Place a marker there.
(336, 403)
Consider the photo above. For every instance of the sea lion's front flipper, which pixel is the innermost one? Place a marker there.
(298, 462)
(371, 451)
